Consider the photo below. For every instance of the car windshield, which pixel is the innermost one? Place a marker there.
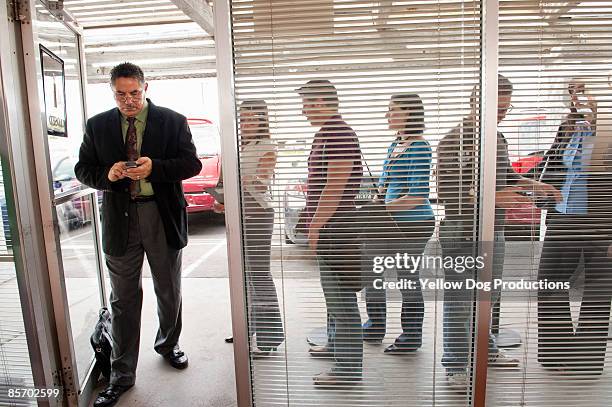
(206, 139)
(64, 170)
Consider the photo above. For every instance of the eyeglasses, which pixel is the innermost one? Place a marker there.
(123, 97)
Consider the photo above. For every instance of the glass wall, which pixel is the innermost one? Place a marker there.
(386, 61)
(557, 132)
(15, 368)
(361, 161)
(76, 273)
(78, 243)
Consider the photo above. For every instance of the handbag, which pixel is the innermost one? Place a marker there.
(375, 220)
(102, 342)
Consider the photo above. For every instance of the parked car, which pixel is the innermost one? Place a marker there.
(208, 145)
(529, 137)
(72, 214)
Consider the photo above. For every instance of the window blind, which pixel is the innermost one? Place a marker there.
(547, 50)
(15, 370)
(370, 52)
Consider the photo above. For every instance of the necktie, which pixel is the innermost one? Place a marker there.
(131, 142)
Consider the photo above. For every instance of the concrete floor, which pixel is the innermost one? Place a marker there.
(209, 379)
(286, 378)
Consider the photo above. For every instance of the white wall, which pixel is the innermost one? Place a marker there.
(194, 98)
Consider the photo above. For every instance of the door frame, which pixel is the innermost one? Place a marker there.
(74, 392)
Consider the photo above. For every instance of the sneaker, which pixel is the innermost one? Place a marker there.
(500, 359)
(334, 380)
(457, 381)
(259, 353)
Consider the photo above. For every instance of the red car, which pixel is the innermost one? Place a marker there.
(207, 141)
(530, 135)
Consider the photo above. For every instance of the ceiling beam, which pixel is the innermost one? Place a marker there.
(200, 12)
(160, 77)
(113, 57)
(136, 22)
(180, 69)
(149, 35)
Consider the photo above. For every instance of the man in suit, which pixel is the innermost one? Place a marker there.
(138, 154)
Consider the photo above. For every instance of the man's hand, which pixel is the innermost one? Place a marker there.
(509, 198)
(313, 237)
(548, 191)
(117, 171)
(145, 166)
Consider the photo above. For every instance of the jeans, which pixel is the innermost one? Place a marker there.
(413, 307)
(459, 304)
(344, 338)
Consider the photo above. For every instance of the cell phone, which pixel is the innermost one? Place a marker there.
(131, 164)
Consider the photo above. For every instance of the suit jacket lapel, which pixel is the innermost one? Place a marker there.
(152, 135)
(115, 135)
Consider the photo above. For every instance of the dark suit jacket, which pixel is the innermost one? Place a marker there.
(168, 142)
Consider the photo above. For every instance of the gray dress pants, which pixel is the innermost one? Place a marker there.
(146, 235)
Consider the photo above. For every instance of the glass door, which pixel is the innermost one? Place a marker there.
(54, 68)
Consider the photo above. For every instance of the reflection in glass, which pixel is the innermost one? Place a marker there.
(62, 95)
(77, 240)
(54, 92)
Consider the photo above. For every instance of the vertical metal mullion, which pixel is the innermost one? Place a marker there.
(27, 229)
(233, 214)
(95, 223)
(488, 177)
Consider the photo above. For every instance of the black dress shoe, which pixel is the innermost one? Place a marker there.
(401, 349)
(110, 395)
(177, 359)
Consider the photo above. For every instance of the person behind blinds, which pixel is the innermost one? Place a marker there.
(457, 177)
(334, 175)
(258, 158)
(580, 226)
(404, 189)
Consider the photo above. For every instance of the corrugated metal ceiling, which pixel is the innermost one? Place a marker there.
(155, 34)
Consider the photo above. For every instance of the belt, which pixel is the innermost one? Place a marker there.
(143, 199)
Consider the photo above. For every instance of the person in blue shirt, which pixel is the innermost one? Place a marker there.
(404, 192)
(579, 229)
